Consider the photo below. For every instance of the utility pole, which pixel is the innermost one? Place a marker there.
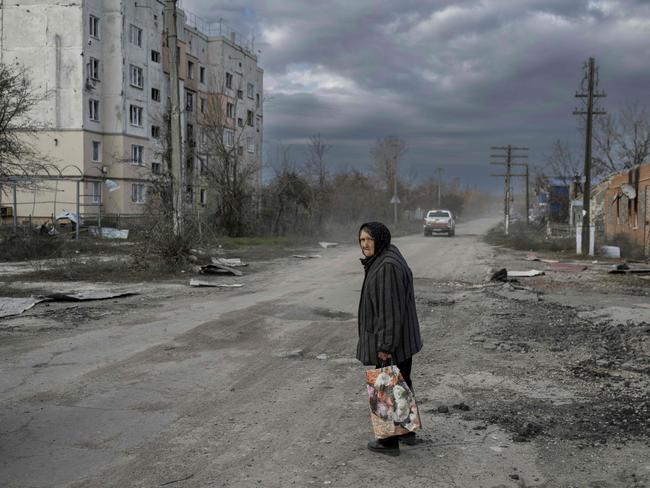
(508, 163)
(177, 170)
(395, 199)
(439, 171)
(590, 79)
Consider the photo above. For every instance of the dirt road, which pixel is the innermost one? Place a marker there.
(256, 386)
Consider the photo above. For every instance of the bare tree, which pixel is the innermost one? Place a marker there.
(317, 173)
(386, 154)
(230, 174)
(17, 99)
(562, 163)
(622, 140)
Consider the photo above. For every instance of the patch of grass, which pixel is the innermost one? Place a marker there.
(528, 238)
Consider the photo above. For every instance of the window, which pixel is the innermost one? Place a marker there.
(155, 56)
(93, 69)
(240, 122)
(135, 35)
(190, 135)
(155, 94)
(240, 150)
(190, 70)
(257, 100)
(155, 168)
(94, 26)
(93, 109)
(249, 117)
(202, 74)
(228, 138)
(135, 115)
(204, 197)
(137, 153)
(230, 110)
(136, 77)
(137, 192)
(189, 101)
(250, 144)
(203, 104)
(95, 191)
(97, 152)
(228, 80)
(155, 131)
(249, 90)
(203, 169)
(240, 94)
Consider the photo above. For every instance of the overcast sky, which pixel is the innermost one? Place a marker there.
(450, 78)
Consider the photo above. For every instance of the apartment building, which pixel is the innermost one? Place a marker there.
(105, 67)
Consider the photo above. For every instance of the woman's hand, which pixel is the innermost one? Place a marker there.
(384, 356)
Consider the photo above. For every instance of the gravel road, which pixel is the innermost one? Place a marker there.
(257, 386)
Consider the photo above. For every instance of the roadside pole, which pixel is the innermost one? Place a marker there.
(591, 81)
(175, 143)
(439, 170)
(507, 191)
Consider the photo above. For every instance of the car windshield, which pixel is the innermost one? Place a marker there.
(438, 213)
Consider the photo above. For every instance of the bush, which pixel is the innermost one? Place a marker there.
(528, 238)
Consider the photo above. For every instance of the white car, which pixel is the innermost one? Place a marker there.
(439, 221)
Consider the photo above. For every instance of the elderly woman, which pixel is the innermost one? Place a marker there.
(388, 324)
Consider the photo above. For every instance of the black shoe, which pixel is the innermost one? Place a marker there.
(376, 446)
(409, 439)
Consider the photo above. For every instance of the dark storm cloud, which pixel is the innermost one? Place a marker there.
(450, 78)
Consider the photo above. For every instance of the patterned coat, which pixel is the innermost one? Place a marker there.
(387, 318)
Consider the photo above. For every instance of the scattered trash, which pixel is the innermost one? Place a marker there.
(230, 262)
(568, 267)
(501, 275)
(16, 306)
(443, 409)
(533, 257)
(525, 274)
(327, 245)
(461, 406)
(306, 256)
(625, 269)
(109, 232)
(219, 269)
(194, 282)
(610, 251)
(66, 214)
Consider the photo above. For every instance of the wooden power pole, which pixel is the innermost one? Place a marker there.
(177, 173)
(591, 82)
(509, 163)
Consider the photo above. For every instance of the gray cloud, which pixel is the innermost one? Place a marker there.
(451, 78)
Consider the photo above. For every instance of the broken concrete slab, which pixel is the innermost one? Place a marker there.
(219, 269)
(15, 306)
(230, 262)
(199, 283)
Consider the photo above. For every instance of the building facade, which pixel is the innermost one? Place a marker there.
(104, 65)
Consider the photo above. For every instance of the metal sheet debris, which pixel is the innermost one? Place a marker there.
(194, 282)
(327, 245)
(109, 232)
(66, 214)
(525, 274)
(306, 256)
(15, 306)
(230, 262)
(85, 295)
(219, 269)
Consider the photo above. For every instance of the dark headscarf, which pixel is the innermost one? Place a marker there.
(381, 235)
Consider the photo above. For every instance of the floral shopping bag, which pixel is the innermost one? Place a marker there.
(393, 410)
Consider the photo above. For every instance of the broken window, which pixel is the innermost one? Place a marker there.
(93, 69)
(189, 101)
(202, 74)
(155, 56)
(136, 76)
(155, 131)
(155, 94)
(190, 70)
(137, 154)
(228, 80)
(93, 109)
(135, 115)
